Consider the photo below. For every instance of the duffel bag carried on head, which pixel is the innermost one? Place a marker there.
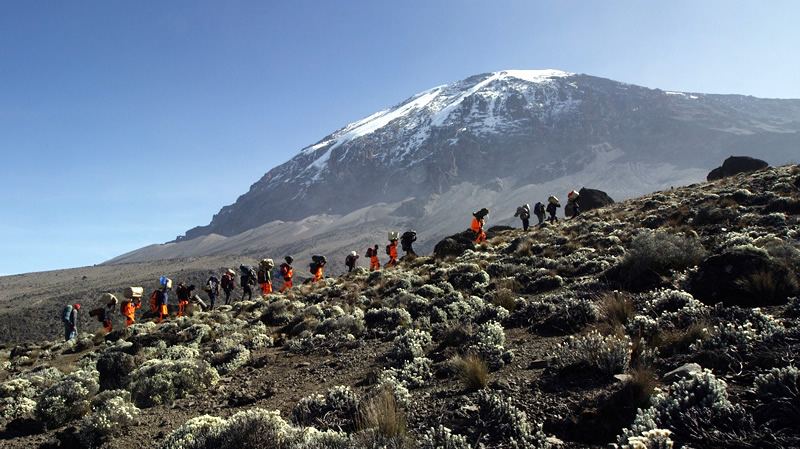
(133, 292)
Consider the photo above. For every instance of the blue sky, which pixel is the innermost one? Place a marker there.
(126, 123)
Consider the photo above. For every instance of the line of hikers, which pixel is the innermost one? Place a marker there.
(250, 277)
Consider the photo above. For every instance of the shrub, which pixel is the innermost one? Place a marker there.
(489, 342)
(780, 384)
(671, 409)
(112, 412)
(233, 359)
(441, 437)
(251, 429)
(413, 373)
(67, 399)
(472, 371)
(501, 422)
(336, 409)
(609, 354)
(409, 345)
(650, 439)
(114, 368)
(162, 381)
(387, 318)
(657, 252)
(769, 288)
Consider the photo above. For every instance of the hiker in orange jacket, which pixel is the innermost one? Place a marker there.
(287, 272)
(317, 267)
(374, 263)
(391, 248)
(264, 276)
(128, 310)
(478, 220)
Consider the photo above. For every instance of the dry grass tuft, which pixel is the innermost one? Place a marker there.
(505, 298)
(383, 415)
(678, 340)
(769, 288)
(472, 371)
(616, 309)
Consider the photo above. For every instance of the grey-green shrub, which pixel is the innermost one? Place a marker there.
(609, 354)
(67, 399)
(112, 412)
(336, 409)
(502, 422)
(162, 381)
(440, 437)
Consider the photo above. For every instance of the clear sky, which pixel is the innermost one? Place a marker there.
(124, 123)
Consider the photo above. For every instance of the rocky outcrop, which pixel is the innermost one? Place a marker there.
(743, 278)
(455, 245)
(592, 199)
(735, 165)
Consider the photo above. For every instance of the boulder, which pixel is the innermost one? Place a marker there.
(494, 230)
(682, 372)
(454, 245)
(743, 278)
(735, 165)
(592, 199)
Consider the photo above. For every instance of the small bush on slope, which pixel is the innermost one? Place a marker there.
(162, 381)
(609, 354)
(67, 399)
(252, 429)
(337, 409)
(112, 412)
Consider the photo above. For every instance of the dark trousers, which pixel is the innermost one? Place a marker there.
(227, 295)
(212, 299)
(246, 290)
(525, 224)
(540, 217)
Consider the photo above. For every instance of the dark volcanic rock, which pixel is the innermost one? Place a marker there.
(735, 165)
(494, 230)
(592, 199)
(455, 245)
(743, 278)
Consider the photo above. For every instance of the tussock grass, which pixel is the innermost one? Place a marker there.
(505, 298)
(678, 340)
(383, 415)
(767, 287)
(616, 309)
(472, 371)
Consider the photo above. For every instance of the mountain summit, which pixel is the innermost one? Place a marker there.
(518, 127)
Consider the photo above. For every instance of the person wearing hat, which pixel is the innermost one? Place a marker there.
(228, 283)
(350, 261)
(108, 313)
(69, 316)
(478, 221)
(287, 272)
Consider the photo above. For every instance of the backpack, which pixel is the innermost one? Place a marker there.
(154, 300)
(538, 209)
(66, 314)
(319, 260)
(389, 250)
(312, 267)
(370, 253)
(409, 237)
(213, 283)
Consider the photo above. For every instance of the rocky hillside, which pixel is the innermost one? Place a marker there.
(668, 320)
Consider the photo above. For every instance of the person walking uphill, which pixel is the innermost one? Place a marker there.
(265, 275)
(406, 240)
(131, 303)
(552, 207)
(538, 210)
(183, 293)
(478, 221)
(317, 267)
(228, 283)
(524, 214)
(287, 273)
(162, 299)
(351, 260)
(247, 279)
(374, 263)
(69, 316)
(212, 288)
(108, 312)
(391, 250)
(573, 208)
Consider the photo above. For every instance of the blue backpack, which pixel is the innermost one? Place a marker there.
(66, 314)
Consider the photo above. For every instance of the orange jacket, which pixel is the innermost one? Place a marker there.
(287, 271)
(477, 225)
(393, 250)
(128, 308)
(318, 274)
